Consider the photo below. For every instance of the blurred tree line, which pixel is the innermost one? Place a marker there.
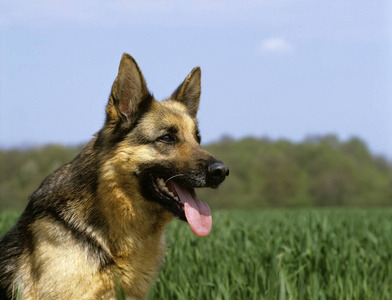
(320, 171)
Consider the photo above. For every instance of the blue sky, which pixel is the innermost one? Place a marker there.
(282, 69)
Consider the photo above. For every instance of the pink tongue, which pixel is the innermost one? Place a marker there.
(198, 213)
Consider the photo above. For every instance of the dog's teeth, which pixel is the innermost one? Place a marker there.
(162, 185)
(161, 182)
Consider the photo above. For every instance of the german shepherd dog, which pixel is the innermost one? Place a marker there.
(99, 221)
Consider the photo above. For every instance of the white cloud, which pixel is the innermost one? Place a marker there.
(275, 45)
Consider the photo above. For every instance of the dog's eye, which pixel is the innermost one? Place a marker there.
(167, 139)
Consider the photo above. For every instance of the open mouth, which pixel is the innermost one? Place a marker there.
(168, 197)
(184, 204)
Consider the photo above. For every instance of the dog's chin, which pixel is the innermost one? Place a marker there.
(163, 193)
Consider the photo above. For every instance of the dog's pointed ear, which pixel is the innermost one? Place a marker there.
(189, 91)
(129, 93)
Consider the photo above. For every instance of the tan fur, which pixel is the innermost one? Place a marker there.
(57, 253)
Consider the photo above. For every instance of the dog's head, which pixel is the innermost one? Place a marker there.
(157, 145)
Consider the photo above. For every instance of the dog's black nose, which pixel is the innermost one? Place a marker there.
(217, 172)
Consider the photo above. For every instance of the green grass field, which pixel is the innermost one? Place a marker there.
(278, 254)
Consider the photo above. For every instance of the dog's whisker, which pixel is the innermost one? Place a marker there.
(174, 177)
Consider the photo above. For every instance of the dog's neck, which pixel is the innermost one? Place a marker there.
(135, 236)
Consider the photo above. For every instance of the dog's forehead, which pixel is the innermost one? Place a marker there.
(174, 106)
(172, 113)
